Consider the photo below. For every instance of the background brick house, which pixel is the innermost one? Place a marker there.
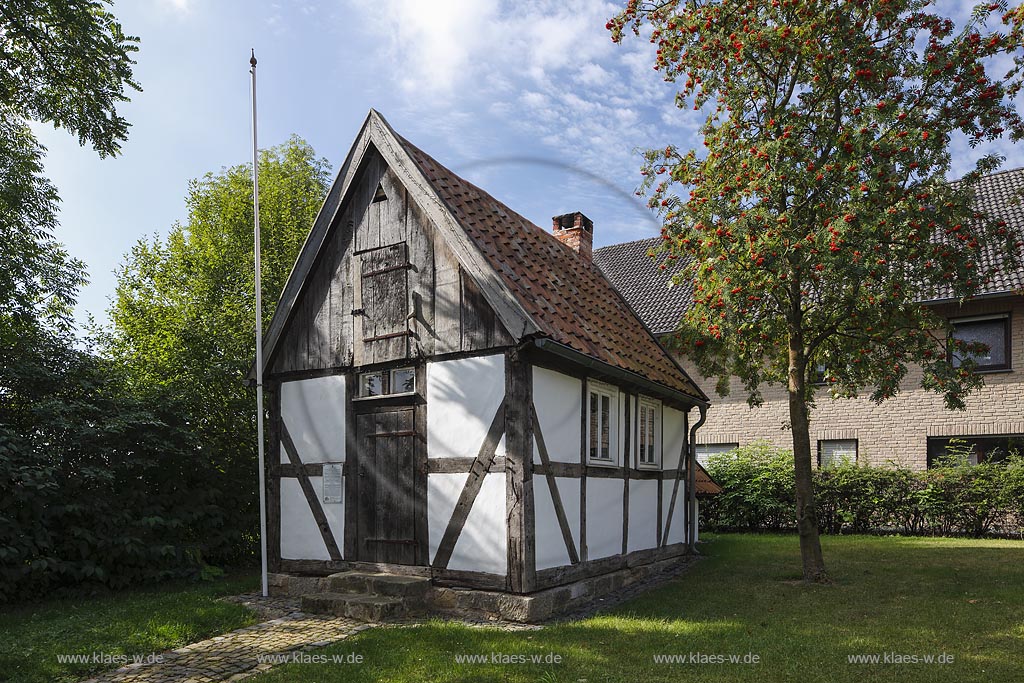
(910, 429)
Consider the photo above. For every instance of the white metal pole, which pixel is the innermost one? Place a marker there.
(259, 335)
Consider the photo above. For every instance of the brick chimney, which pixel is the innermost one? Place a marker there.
(576, 231)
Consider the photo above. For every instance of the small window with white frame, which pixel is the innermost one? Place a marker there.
(602, 411)
(648, 436)
(381, 383)
(833, 452)
(706, 450)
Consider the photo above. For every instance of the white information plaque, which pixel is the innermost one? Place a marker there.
(333, 482)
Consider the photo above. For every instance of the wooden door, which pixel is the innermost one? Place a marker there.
(388, 495)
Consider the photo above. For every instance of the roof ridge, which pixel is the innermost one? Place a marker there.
(502, 205)
(626, 243)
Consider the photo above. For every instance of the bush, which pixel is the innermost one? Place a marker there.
(99, 486)
(757, 489)
(954, 498)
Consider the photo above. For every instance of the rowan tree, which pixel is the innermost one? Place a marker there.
(818, 214)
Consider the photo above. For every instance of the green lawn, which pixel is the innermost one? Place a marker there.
(131, 622)
(908, 596)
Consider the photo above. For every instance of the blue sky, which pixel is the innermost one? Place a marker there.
(530, 100)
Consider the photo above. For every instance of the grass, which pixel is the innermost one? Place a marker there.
(138, 621)
(909, 596)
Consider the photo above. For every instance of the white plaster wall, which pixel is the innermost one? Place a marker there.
(677, 530)
(673, 435)
(462, 397)
(604, 517)
(550, 548)
(558, 399)
(314, 411)
(300, 535)
(483, 543)
(643, 514)
(443, 492)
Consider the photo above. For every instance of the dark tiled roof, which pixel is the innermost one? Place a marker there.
(997, 195)
(568, 299)
(645, 285)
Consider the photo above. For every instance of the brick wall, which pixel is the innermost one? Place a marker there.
(895, 431)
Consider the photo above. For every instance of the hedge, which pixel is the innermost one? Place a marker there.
(951, 499)
(103, 488)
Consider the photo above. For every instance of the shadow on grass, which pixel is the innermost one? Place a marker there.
(893, 595)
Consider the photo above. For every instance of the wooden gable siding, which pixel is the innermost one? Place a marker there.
(385, 287)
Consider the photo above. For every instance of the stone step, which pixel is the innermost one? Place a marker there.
(393, 585)
(359, 606)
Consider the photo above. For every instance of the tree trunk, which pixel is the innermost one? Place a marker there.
(806, 511)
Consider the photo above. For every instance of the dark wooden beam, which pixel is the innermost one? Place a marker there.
(519, 503)
(290, 471)
(451, 465)
(420, 455)
(557, 576)
(575, 470)
(625, 472)
(584, 426)
(349, 540)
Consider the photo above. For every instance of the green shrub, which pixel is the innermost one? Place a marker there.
(99, 486)
(952, 498)
(757, 489)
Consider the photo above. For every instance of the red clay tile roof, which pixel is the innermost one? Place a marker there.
(705, 485)
(567, 297)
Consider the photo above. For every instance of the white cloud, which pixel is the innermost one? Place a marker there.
(181, 6)
(547, 67)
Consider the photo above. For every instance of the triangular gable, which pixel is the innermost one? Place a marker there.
(535, 285)
(377, 134)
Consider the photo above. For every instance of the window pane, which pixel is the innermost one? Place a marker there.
(706, 450)
(643, 433)
(595, 430)
(989, 332)
(605, 436)
(403, 380)
(650, 435)
(838, 451)
(372, 384)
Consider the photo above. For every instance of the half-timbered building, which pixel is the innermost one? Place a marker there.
(460, 394)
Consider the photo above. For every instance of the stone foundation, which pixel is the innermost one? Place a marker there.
(540, 606)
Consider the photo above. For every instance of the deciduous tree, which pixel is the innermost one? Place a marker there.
(183, 316)
(817, 214)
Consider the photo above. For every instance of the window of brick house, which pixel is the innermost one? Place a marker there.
(978, 448)
(991, 330)
(836, 452)
(706, 450)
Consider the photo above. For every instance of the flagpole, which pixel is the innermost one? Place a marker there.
(259, 336)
